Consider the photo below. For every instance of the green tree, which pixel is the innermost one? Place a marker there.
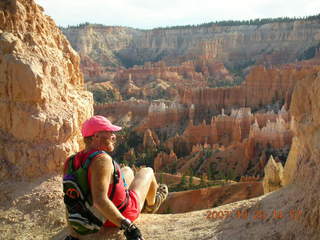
(183, 180)
(173, 167)
(212, 171)
(190, 181)
(103, 96)
(232, 174)
(202, 183)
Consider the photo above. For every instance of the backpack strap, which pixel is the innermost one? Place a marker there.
(70, 164)
(115, 172)
(91, 156)
(123, 205)
(115, 180)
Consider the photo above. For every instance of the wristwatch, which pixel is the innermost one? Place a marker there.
(125, 224)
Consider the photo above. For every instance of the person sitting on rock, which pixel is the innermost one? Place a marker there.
(132, 194)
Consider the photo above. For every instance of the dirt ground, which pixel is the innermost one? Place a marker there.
(31, 210)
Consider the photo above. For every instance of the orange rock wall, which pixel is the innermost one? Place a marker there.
(163, 114)
(171, 179)
(239, 148)
(162, 160)
(90, 68)
(272, 43)
(138, 110)
(262, 86)
(206, 198)
(228, 129)
(190, 73)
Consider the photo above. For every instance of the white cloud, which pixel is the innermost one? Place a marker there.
(148, 14)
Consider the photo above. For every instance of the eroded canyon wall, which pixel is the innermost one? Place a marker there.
(206, 198)
(244, 141)
(302, 167)
(124, 112)
(271, 43)
(42, 99)
(187, 74)
(262, 86)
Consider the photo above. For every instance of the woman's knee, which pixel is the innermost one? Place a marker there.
(127, 169)
(146, 170)
(128, 173)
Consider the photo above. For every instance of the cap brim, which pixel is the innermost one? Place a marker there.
(115, 128)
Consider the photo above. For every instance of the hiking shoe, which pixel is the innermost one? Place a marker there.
(161, 195)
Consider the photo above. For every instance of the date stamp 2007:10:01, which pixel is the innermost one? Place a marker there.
(293, 214)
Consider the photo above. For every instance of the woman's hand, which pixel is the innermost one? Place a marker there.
(131, 231)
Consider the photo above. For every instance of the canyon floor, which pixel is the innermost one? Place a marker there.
(34, 210)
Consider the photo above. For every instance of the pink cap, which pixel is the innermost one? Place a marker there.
(96, 124)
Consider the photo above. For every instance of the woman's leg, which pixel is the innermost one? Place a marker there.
(128, 174)
(145, 185)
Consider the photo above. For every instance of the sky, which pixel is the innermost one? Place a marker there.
(148, 14)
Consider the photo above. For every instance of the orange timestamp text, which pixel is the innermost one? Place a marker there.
(293, 214)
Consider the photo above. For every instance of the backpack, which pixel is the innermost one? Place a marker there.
(82, 216)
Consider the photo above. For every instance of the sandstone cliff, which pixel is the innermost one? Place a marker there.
(272, 43)
(165, 116)
(187, 74)
(301, 169)
(243, 140)
(150, 139)
(261, 86)
(100, 43)
(42, 100)
(128, 113)
(206, 198)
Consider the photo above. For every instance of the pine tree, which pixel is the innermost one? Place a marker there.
(190, 181)
(183, 180)
(201, 181)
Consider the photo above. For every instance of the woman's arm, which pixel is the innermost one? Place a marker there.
(101, 174)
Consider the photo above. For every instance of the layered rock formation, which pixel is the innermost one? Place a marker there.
(164, 160)
(163, 114)
(188, 74)
(42, 99)
(241, 139)
(157, 80)
(262, 86)
(100, 43)
(272, 43)
(93, 70)
(174, 179)
(205, 198)
(125, 112)
(150, 140)
(277, 134)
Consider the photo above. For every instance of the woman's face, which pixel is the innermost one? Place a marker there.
(105, 140)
